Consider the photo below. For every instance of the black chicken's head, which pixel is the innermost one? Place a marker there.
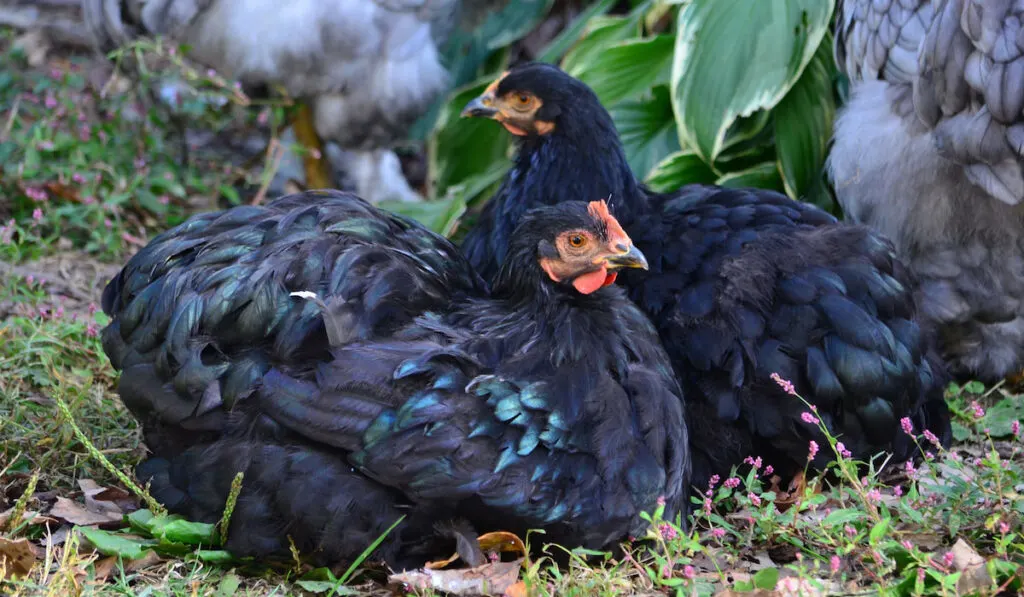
(536, 99)
(576, 243)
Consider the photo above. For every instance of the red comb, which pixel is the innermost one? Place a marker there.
(599, 209)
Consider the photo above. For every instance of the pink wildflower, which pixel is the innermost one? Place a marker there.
(809, 418)
(785, 384)
(769, 469)
(36, 194)
(689, 572)
(979, 412)
(713, 481)
(92, 330)
(719, 532)
(79, 178)
(897, 491)
(833, 564)
(93, 308)
(842, 451)
(947, 560)
(661, 500)
(908, 427)
(50, 102)
(850, 531)
(1003, 528)
(668, 531)
(907, 545)
(928, 435)
(37, 214)
(754, 499)
(1015, 428)
(874, 496)
(812, 450)
(731, 483)
(754, 462)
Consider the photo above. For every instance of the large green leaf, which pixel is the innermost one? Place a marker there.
(762, 176)
(629, 68)
(681, 168)
(112, 544)
(734, 57)
(647, 130)
(564, 40)
(803, 123)
(461, 148)
(602, 33)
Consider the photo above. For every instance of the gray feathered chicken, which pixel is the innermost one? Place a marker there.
(365, 70)
(929, 150)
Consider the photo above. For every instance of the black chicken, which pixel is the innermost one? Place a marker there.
(744, 283)
(548, 403)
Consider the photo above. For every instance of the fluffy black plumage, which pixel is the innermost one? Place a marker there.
(533, 406)
(743, 283)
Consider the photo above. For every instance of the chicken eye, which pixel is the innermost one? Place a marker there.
(577, 240)
(523, 99)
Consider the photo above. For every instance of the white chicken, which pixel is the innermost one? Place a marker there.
(928, 150)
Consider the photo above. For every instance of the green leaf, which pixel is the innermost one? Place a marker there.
(734, 57)
(878, 531)
(630, 68)
(192, 533)
(647, 130)
(999, 419)
(228, 585)
(844, 516)
(960, 431)
(441, 216)
(214, 556)
(803, 124)
(681, 168)
(602, 33)
(141, 520)
(762, 176)
(560, 45)
(461, 148)
(323, 586)
(766, 579)
(111, 544)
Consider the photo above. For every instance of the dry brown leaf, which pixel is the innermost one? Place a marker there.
(518, 589)
(16, 557)
(490, 579)
(76, 514)
(975, 574)
(29, 517)
(106, 499)
(498, 541)
(108, 565)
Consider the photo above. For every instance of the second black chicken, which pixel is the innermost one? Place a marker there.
(548, 403)
(744, 284)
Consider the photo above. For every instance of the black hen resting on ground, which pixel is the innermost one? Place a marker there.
(548, 404)
(744, 283)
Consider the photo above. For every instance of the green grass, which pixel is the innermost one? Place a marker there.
(91, 194)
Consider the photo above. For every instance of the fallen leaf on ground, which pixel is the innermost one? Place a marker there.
(108, 565)
(76, 514)
(498, 541)
(106, 499)
(490, 579)
(16, 557)
(975, 574)
(29, 517)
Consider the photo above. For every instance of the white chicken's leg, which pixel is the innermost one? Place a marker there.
(378, 176)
